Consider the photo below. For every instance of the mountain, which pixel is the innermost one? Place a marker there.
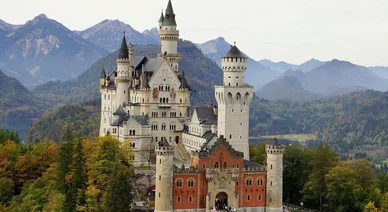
(310, 65)
(256, 75)
(285, 87)
(108, 33)
(277, 66)
(298, 74)
(382, 71)
(6, 29)
(16, 102)
(201, 73)
(153, 33)
(344, 74)
(43, 49)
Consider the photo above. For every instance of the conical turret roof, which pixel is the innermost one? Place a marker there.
(103, 74)
(169, 19)
(234, 52)
(123, 53)
(184, 84)
(161, 17)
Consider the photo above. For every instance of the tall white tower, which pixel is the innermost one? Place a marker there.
(164, 176)
(169, 36)
(123, 74)
(233, 99)
(274, 176)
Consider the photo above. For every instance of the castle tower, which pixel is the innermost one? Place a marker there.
(233, 99)
(102, 77)
(169, 36)
(123, 74)
(164, 176)
(274, 176)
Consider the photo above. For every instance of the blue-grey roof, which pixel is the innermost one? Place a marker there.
(206, 115)
(169, 18)
(234, 52)
(123, 52)
(249, 164)
(119, 111)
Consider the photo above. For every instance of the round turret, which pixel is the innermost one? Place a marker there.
(275, 176)
(164, 176)
(234, 64)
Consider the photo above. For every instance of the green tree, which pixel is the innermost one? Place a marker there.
(119, 192)
(295, 174)
(384, 203)
(382, 182)
(257, 152)
(321, 160)
(370, 207)
(6, 190)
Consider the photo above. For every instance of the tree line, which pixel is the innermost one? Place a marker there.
(318, 178)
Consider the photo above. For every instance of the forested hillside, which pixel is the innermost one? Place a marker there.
(16, 102)
(82, 118)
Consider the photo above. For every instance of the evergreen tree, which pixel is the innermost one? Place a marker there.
(65, 161)
(79, 177)
(119, 193)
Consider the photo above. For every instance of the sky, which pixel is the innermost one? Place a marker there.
(280, 30)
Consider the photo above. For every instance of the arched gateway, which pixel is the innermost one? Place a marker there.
(221, 200)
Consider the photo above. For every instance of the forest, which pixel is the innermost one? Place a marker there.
(75, 174)
(321, 180)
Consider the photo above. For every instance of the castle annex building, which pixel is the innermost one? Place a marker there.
(202, 160)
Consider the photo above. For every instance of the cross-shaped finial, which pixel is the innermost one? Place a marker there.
(235, 43)
(124, 32)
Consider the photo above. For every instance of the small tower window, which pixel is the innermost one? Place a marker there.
(216, 165)
(249, 197)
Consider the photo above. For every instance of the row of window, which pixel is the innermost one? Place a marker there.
(154, 126)
(164, 88)
(190, 199)
(249, 181)
(105, 96)
(164, 114)
(179, 182)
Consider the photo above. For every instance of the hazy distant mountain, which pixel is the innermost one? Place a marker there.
(310, 65)
(43, 49)
(342, 74)
(256, 75)
(285, 87)
(298, 74)
(108, 33)
(277, 66)
(382, 71)
(153, 33)
(6, 29)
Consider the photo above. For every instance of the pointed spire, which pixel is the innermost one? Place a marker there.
(143, 78)
(123, 52)
(169, 9)
(234, 52)
(184, 84)
(103, 74)
(169, 19)
(161, 17)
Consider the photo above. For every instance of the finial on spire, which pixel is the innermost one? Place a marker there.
(235, 43)
(124, 31)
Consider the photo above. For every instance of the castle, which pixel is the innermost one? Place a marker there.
(147, 100)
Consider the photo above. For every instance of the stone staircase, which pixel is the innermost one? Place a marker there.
(182, 151)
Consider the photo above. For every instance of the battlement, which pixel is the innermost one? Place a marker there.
(184, 170)
(274, 149)
(164, 150)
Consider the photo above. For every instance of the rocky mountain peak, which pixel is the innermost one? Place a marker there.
(39, 18)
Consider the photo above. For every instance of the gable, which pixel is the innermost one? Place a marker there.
(164, 75)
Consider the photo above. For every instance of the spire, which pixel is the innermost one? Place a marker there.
(161, 17)
(123, 52)
(169, 9)
(275, 142)
(169, 19)
(103, 74)
(184, 84)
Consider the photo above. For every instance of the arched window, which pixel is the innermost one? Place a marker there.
(190, 198)
(216, 165)
(248, 197)
(179, 199)
(225, 165)
(179, 183)
(190, 183)
(249, 181)
(259, 182)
